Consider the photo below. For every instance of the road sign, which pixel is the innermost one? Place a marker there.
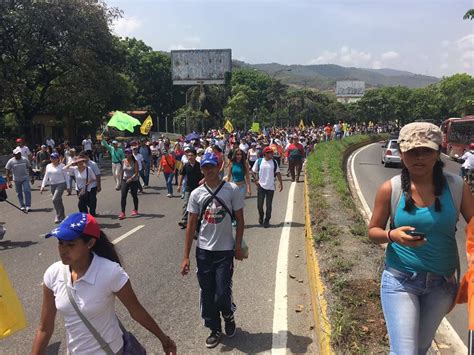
(200, 66)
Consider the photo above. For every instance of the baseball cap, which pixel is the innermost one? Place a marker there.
(267, 150)
(114, 142)
(19, 140)
(17, 150)
(76, 225)
(43, 146)
(419, 134)
(209, 159)
(54, 156)
(128, 151)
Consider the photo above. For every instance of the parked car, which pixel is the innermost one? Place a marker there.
(391, 153)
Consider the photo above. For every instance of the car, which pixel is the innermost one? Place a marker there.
(391, 153)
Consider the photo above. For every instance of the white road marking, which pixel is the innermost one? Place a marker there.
(445, 329)
(280, 310)
(129, 233)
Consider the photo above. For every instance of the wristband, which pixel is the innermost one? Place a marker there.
(390, 238)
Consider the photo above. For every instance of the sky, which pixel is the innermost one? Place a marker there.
(426, 37)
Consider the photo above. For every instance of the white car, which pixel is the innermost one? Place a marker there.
(391, 153)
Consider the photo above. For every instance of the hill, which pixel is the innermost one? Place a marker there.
(324, 76)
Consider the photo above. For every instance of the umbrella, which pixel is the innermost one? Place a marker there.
(192, 137)
(123, 122)
(466, 288)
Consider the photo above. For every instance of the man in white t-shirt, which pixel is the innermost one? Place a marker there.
(265, 170)
(25, 151)
(216, 246)
(87, 146)
(50, 142)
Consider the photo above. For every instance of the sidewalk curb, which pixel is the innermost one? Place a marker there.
(322, 327)
(444, 334)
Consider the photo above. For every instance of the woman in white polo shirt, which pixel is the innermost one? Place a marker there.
(90, 269)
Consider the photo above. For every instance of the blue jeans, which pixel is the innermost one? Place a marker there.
(145, 172)
(414, 305)
(23, 187)
(169, 182)
(214, 273)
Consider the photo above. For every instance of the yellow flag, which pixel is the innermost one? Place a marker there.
(255, 127)
(146, 126)
(301, 125)
(228, 126)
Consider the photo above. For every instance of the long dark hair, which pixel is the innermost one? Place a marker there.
(438, 181)
(103, 247)
(243, 161)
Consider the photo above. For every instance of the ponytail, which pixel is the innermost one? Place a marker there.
(103, 247)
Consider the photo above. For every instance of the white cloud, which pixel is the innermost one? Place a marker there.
(345, 56)
(466, 42)
(444, 66)
(445, 43)
(124, 27)
(390, 55)
(192, 39)
(175, 47)
(376, 64)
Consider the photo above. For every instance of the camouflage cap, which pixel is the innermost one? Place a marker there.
(419, 134)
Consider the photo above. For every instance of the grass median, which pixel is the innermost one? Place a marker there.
(350, 264)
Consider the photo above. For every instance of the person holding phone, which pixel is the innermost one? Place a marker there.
(129, 183)
(419, 285)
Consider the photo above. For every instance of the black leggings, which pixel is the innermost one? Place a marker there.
(133, 187)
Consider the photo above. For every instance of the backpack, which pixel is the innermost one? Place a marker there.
(3, 189)
(455, 184)
(275, 166)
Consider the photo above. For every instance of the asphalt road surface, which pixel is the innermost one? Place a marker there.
(371, 174)
(152, 254)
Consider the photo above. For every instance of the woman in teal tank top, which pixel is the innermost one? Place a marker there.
(418, 284)
(238, 172)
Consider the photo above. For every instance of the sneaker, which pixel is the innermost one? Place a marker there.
(182, 224)
(266, 224)
(260, 220)
(169, 195)
(57, 221)
(230, 327)
(182, 196)
(28, 209)
(134, 213)
(117, 188)
(22, 208)
(122, 215)
(214, 339)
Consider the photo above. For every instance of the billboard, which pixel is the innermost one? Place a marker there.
(350, 88)
(200, 66)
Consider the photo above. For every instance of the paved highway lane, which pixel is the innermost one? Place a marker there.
(371, 174)
(151, 256)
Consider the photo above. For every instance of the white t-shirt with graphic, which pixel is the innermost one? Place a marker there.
(216, 233)
(87, 144)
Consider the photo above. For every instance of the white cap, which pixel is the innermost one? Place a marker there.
(17, 150)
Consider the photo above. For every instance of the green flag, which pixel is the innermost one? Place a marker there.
(123, 122)
(255, 127)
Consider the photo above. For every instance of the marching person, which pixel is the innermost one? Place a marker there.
(43, 159)
(129, 179)
(58, 178)
(117, 156)
(69, 160)
(145, 152)
(192, 172)
(89, 273)
(95, 186)
(295, 154)
(265, 170)
(168, 166)
(87, 146)
(84, 178)
(238, 172)
(139, 159)
(418, 285)
(216, 247)
(25, 151)
(19, 167)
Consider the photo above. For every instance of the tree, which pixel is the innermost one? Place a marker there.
(42, 45)
(469, 15)
(457, 95)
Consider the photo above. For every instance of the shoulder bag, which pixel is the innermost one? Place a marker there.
(131, 346)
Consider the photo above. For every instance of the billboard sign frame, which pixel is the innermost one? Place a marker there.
(350, 88)
(200, 66)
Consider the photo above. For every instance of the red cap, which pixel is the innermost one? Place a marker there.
(267, 150)
(19, 140)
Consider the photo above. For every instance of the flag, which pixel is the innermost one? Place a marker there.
(146, 126)
(265, 132)
(228, 126)
(123, 122)
(255, 127)
(301, 125)
(312, 124)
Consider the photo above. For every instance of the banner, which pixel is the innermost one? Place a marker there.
(123, 122)
(301, 125)
(228, 126)
(255, 127)
(146, 126)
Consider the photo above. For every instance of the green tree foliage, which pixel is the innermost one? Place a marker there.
(469, 15)
(44, 48)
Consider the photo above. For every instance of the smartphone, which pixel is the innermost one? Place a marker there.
(416, 235)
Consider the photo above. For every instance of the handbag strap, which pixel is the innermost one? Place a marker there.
(103, 344)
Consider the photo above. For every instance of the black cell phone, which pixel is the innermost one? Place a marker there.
(415, 234)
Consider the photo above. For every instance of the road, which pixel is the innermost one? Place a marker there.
(371, 174)
(152, 254)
